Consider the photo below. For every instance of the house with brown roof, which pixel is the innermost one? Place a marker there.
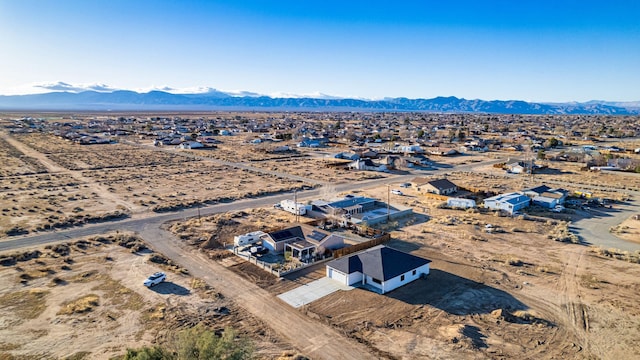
(438, 186)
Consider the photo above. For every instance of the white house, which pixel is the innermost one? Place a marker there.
(190, 145)
(380, 268)
(510, 202)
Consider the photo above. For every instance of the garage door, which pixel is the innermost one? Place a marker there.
(338, 276)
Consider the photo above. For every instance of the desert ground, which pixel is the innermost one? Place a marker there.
(511, 292)
(85, 299)
(499, 287)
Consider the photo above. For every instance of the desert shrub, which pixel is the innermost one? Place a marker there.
(200, 343)
(514, 262)
(197, 343)
(149, 353)
(562, 233)
(16, 230)
(81, 305)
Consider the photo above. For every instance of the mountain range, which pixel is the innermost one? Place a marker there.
(122, 100)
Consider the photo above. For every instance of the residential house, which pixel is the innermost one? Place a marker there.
(536, 191)
(510, 202)
(313, 142)
(442, 151)
(379, 268)
(550, 199)
(439, 186)
(303, 241)
(366, 164)
(359, 209)
(190, 145)
(347, 156)
(418, 160)
(545, 196)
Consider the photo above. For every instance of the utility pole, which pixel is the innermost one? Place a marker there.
(295, 204)
(388, 200)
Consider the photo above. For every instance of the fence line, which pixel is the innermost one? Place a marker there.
(361, 246)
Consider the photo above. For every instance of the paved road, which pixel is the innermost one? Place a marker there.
(140, 222)
(594, 225)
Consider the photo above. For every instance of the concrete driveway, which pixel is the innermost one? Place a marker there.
(312, 291)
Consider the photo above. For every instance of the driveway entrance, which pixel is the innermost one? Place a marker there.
(312, 291)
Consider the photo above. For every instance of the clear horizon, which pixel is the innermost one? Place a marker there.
(542, 51)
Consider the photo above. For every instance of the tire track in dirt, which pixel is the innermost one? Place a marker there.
(53, 167)
(311, 337)
(575, 314)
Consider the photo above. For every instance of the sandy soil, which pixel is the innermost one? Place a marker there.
(508, 293)
(628, 230)
(36, 320)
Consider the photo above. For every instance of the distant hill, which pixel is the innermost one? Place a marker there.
(216, 100)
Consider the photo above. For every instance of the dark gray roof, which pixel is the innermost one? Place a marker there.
(287, 234)
(380, 262)
(538, 189)
(442, 184)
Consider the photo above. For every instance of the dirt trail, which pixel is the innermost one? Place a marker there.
(574, 314)
(312, 338)
(229, 163)
(55, 168)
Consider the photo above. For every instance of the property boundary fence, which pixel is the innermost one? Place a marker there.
(365, 245)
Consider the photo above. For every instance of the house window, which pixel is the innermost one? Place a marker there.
(376, 281)
(413, 272)
(402, 278)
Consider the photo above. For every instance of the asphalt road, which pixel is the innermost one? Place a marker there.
(593, 229)
(141, 222)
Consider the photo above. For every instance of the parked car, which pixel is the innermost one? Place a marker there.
(277, 206)
(155, 279)
(405, 185)
(396, 192)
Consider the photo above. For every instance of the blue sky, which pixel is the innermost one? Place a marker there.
(504, 49)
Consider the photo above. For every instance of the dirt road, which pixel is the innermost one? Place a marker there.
(312, 338)
(55, 168)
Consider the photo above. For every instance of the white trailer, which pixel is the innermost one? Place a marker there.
(246, 239)
(294, 208)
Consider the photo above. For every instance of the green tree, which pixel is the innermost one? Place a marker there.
(551, 142)
(420, 133)
(541, 154)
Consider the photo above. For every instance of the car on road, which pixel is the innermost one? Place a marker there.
(396, 192)
(155, 279)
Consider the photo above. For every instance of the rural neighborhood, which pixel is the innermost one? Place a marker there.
(417, 235)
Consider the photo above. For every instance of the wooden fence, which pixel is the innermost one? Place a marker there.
(361, 246)
(435, 196)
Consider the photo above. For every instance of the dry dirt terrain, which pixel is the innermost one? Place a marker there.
(48, 183)
(85, 299)
(508, 291)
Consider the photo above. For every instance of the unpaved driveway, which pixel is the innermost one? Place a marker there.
(312, 338)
